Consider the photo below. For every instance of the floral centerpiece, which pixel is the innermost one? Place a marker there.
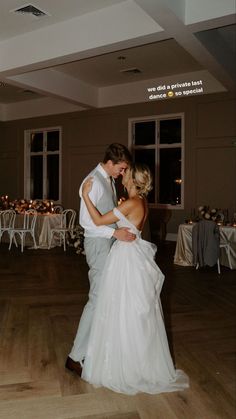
(44, 206)
(208, 213)
(75, 239)
(4, 202)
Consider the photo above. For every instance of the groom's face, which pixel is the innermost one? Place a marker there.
(117, 169)
(126, 177)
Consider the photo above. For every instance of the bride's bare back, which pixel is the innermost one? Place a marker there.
(136, 210)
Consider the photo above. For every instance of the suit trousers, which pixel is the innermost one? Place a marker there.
(96, 250)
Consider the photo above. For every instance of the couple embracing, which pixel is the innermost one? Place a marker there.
(121, 341)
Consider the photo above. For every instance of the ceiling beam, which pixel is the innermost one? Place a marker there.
(57, 84)
(175, 28)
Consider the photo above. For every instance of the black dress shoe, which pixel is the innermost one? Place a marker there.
(73, 366)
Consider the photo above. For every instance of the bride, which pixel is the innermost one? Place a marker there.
(128, 350)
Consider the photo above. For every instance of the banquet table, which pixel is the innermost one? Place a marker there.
(183, 252)
(43, 226)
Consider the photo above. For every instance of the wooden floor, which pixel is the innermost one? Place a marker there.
(42, 294)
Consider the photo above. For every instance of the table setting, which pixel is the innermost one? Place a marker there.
(46, 220)
(227, 230)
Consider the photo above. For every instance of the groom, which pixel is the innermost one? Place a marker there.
(98, 240)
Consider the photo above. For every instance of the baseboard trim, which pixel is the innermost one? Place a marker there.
(172, 237)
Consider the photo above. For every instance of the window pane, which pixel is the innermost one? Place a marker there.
(170, 176)
(144, 133)
(147, 157)
(36, 176)
(52, 140)
(53, 177)
(36, 142)
(170, 131)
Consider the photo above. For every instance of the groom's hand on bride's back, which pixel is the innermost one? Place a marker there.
(124, 234)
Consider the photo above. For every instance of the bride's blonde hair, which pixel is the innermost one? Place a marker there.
(142, 178)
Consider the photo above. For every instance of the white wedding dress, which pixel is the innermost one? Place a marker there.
(128, 350)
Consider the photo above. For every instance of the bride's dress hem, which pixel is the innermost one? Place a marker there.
(157, 389)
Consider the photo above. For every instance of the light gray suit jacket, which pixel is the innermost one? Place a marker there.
(205, 243)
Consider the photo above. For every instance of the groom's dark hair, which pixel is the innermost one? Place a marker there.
(117, 153)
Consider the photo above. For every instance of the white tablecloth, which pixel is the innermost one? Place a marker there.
(183, 252)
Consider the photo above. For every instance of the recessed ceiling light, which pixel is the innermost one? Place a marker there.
(28, 92)
(132, 70)
(30, 9)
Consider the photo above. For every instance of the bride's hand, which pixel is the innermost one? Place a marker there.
(87, 186)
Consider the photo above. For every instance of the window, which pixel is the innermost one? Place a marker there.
(158, 141)
(43, 164)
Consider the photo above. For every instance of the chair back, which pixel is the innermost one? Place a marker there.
(58, 209)
(7, 219)
(68, 219)
(30, 219)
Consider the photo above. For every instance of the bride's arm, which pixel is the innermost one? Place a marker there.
(97, 217)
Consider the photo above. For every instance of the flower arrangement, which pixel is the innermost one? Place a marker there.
(4, 202)
(21, 205)
(75, 239)
(208, 214)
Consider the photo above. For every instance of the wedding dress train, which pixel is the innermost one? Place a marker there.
(128, 350)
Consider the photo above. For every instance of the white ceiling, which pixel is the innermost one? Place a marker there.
(74, 57)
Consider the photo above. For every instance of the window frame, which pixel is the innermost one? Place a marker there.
(27, 157)
(157, 147)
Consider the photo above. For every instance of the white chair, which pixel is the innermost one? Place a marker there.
(58, 209)
(7, 221)
(67, 226)
(220, 244)
(206, 244)
(227, 247)
(28, 228)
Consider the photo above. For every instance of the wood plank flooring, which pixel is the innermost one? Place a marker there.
(42, 295)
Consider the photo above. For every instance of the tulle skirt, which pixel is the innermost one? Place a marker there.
(128, 350)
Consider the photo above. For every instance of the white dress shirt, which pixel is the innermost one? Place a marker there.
(90, 229)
